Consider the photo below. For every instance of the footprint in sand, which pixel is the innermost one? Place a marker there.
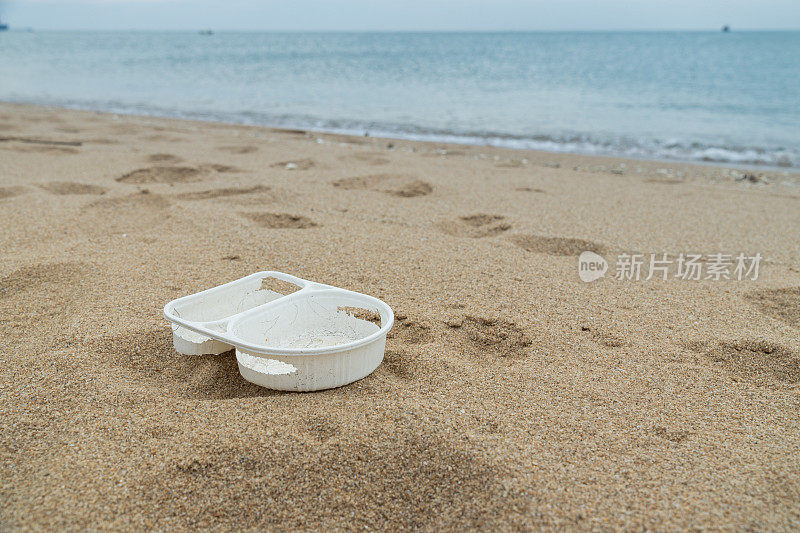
(222, 192)
(238, 150)
(371, 158)
(298, 164)
(168, 174)
(410, 331)
(218, 168)
(69, 187)
(41, 277)
(555, 245)
(10, 192)
(475, 226)
(42, 149)
(672, 435)
(172, 174)
(135, 201)
(758, 361)
(36, 140)
(280, 220)
(496, 337)
(410, 189)
(164, 158)
(140, 211)
(362, 182)
(392, 184)
(783, 304)
(161, 137)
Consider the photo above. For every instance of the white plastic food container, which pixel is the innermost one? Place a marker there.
(316, 338)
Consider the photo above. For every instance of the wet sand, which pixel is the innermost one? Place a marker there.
(512, 395)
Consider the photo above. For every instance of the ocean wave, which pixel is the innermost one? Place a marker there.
(579, 143)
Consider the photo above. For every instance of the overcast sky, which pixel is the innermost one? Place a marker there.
(377, 15)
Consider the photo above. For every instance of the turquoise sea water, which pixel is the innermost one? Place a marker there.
(666, 95)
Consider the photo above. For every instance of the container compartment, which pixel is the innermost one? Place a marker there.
(233, 298)
(311, 322)
(210, 310)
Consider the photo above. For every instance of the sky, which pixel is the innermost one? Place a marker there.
(401, 15)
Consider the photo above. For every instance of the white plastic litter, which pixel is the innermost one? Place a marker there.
(265, 366)
(316, 338)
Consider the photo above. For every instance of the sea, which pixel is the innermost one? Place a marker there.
(731, 98)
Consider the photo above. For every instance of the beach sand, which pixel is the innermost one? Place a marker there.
(512, 395)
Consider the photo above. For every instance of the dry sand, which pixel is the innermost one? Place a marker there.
(512, 394)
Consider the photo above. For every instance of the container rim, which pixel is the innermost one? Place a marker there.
(308, 288)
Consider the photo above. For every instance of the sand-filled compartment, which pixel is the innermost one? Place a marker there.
(234, 298)
(212, 308)
(312, 321)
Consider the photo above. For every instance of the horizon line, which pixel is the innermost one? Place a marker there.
(266, 30)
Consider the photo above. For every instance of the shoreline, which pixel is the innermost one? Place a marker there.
(432, 137)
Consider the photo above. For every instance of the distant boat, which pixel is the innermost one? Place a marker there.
(3, 26)
(726, 29)
(206, 32)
